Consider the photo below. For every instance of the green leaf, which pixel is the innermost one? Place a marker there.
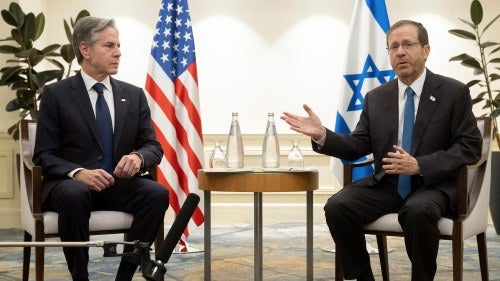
(56, 63)
(9, 18)
(49, 75)
(50, 48)
(39, 26)
(82, 14)
(472, 83)
(28, 28)
(495, 50)
(463, 34)
(495, 113)
(16, 11)
(67, 29)
(9, 74)
(16, 35)
(14, 131)
(491, 22)
(489, 44)
(494, 77)
(468, 23)
(461, 57)
(472, 63)
(476, 12)
(7, 49)
(67, 53)
(33, 80)
(13, 105)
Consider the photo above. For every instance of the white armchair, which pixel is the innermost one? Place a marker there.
(40, 225)
(473, 201)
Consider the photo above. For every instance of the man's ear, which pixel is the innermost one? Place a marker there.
(84, 50)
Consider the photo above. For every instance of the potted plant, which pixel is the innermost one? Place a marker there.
(484, 68)
(23, 73)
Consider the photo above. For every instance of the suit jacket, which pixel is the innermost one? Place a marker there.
(445, 134)
(68, 138)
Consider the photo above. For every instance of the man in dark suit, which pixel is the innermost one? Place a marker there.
(445, 137)
(87, 165)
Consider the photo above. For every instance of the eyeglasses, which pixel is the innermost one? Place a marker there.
(406, 46)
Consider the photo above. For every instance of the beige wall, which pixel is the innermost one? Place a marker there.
(253, 57)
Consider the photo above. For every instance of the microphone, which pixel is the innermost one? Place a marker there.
(177, 228)
(155, 270)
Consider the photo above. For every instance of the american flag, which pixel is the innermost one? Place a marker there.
(172, 86)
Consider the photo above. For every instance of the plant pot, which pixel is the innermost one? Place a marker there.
(495, 190)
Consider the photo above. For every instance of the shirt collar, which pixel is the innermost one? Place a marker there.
(416, 86)
(89, 81)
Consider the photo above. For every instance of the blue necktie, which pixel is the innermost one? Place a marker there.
(404, 184)
(105, 125)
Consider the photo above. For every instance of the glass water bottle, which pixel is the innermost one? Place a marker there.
(234, 150)
(270, 147)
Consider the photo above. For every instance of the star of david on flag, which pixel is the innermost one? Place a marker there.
(367, 67)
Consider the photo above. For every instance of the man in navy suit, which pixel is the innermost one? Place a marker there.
(445, 137)
(78, 175)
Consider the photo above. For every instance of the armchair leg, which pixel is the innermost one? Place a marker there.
(39, 263)
(382, 253)
(458, 258)
(26, 257)
(483, 257)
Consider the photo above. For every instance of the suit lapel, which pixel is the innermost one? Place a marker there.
(429, 100)
(121, 99)
(391, 123)
(81, 96)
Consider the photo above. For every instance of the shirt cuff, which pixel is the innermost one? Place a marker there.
(142, 158)
(72, 173)
(321, 141)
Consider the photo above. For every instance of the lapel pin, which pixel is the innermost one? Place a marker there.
(432, 98)
(124, 100)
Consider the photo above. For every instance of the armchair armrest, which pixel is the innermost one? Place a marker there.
(349, 167)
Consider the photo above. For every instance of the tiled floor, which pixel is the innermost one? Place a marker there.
(232, 256)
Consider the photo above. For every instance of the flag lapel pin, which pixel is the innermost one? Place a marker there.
(432, 98)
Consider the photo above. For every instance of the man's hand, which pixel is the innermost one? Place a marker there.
(128, 166)
(309, 126)
(400, 162)
(96, 180)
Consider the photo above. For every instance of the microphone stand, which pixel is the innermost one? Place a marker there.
(151, 270)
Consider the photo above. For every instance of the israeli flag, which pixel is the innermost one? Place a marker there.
(367, 66)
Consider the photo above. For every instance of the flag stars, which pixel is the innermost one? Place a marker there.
(176, 47)
(154, 45)
(188, 23)
(170, 6)
(178, 22)
(179, 10)
(164, 57)
(177, 35)
(184, 62)
(185, 49)
(187, 36)
(165, 45)
(168, 19)
(166, 32)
